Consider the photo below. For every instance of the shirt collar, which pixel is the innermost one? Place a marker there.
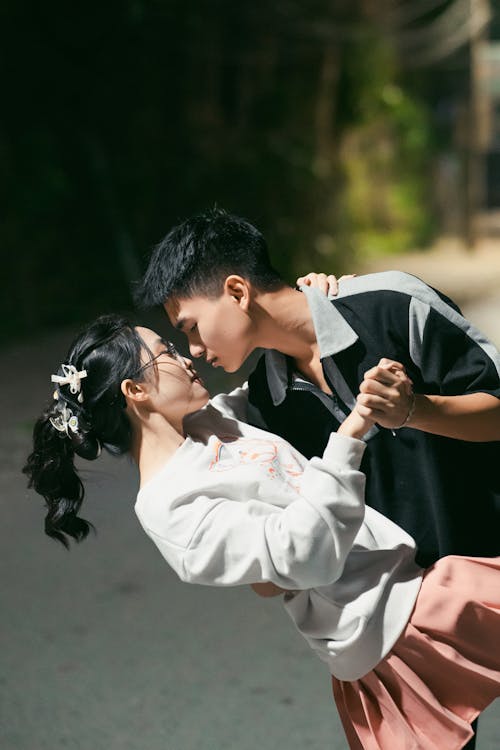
(333, 333)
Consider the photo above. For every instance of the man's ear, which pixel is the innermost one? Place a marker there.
(239, 289)
(133, 391)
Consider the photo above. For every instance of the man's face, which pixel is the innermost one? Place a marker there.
(218, 329)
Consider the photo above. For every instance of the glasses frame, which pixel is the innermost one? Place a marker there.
(172, 352)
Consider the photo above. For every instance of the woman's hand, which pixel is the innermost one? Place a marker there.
(267, 589)
(328, 284)
(355, 425)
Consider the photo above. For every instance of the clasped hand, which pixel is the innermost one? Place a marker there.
(386, 394)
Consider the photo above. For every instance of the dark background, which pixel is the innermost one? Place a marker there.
(333, 125)
(344, 130)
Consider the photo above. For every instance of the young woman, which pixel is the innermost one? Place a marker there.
(229, 504)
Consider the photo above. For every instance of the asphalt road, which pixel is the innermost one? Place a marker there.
(103, 649)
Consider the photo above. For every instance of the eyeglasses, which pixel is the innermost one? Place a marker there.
(169, 350)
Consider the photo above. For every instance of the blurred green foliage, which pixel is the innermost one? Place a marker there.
(122, 118)
(386, 157)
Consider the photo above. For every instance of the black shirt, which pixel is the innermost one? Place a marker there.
(444, 492)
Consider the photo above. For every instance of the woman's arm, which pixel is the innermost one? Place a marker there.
(326, 283)
(354, 426)
(297, 544)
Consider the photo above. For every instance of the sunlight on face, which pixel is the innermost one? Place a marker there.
(217, 329)
(177, 389)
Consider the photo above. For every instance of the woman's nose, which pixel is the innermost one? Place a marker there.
(196, 349)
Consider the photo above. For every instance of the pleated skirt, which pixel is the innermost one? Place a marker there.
(441, 673)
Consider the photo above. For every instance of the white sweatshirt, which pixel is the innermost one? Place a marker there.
(238, 505)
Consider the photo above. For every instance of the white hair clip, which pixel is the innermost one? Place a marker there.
(65, 422)
(71, 377)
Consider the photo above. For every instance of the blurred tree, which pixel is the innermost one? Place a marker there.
(122, 118)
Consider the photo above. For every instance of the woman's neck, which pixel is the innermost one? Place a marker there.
(153, 444)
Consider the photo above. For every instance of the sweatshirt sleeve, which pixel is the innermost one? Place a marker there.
(299, 546)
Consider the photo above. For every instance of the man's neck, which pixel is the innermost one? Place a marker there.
(284, 322)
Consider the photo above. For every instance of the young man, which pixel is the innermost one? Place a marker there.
(429, 466)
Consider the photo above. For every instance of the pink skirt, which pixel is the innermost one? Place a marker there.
(442, 671)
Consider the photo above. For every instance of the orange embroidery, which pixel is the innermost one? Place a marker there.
(262, 453)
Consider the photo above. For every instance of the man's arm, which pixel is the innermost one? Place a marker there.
(474, 417)
(386, 395)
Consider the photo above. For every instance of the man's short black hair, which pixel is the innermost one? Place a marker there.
(196, 257)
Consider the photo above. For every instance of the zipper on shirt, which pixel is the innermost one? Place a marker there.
(331, 401)
(303, 385)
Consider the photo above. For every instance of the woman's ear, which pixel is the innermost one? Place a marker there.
(133, 391)
(239, 289)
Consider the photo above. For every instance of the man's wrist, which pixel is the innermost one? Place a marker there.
(412, 405)
(411, 410)
(423, 410)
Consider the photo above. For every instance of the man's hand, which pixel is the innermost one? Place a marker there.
(386, 395)
(329, 285)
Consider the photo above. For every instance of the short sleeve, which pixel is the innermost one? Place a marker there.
(454, 357)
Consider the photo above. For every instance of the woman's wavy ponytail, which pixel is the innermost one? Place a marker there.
(51, 471)
(110, 351)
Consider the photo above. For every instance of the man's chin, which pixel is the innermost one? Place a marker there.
(230, 368)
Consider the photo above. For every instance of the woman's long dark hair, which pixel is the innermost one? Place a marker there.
(110, 351)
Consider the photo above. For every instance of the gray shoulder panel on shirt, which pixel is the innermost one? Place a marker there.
(423, 299)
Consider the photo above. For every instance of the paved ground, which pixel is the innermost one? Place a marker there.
(103, 649)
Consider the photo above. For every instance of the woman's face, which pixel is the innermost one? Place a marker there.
(176, 388)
